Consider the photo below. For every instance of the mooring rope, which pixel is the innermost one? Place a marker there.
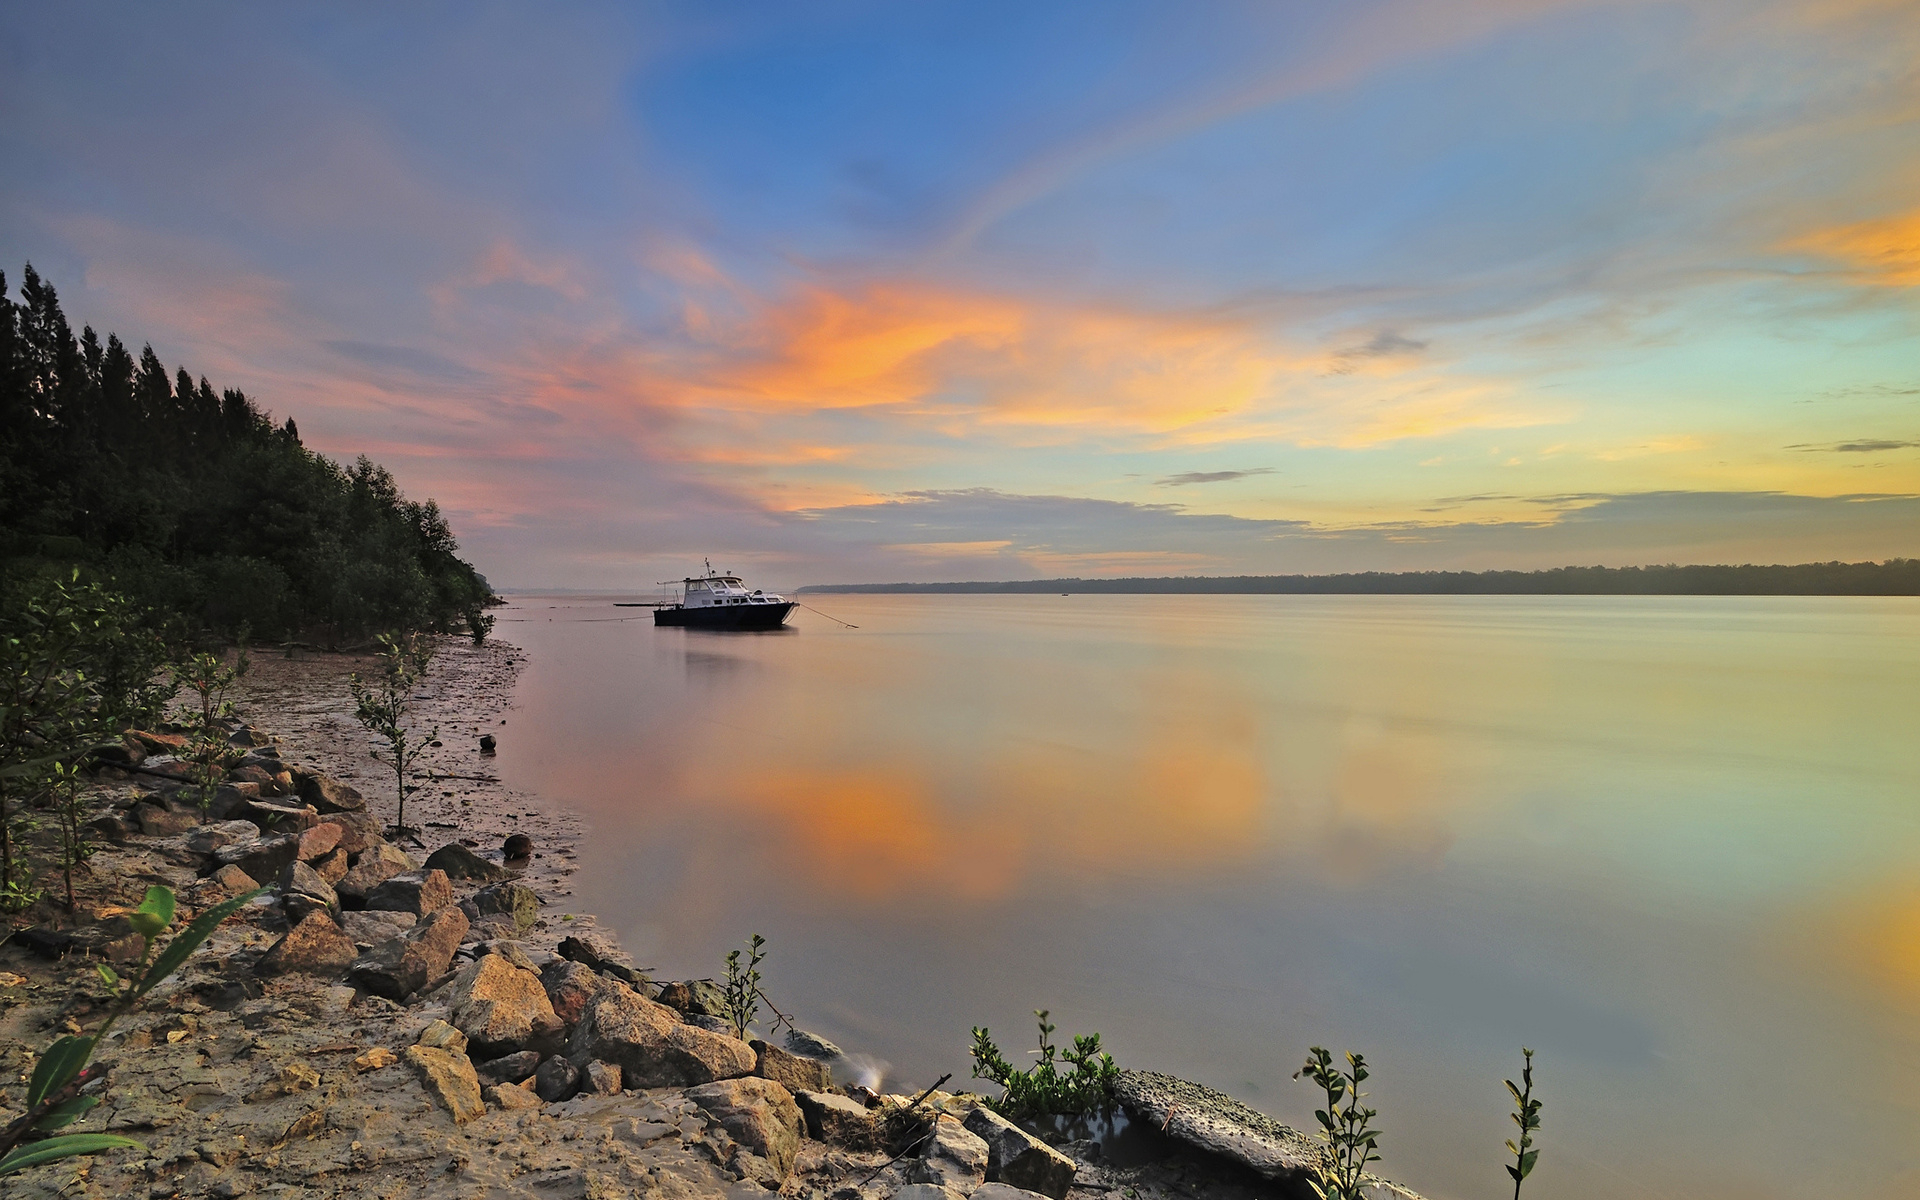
(836, 620)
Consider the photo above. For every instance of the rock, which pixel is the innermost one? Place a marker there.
(510, 1068)
(374, 1059)
(155, 821)
(718, 1025)
(421, 893)
(43, 942)
(600, 1079)
(359, 832)
(450, 1079)
(461, 863)
(292, 1079)
(487, 743)
(514, 900)
(118, 752)
(326, 793)
(315, 946)
(111, 827)
(1002, 1191)
(1217, 1124)
(556, 1079)
(502, 1008)
(377, 864)
(299, 879)
(332, 866)
(234, 880)
(248, 773)
(512, 951)
(320, 840)
(263, 859)
(597, 950)
(442, 1036)
(953, 1157)
(374, 928)
(651, 1046)
(760, 1114)
(790, 1070)
(571, 987)
(209, 838)
(518, 846)
(695, 996)
(812, 1045)
(158, 743)
(841, 1122)
(402, 966)
(247, 736)
(1016, 1157)
(511, 1097)
(279, 816)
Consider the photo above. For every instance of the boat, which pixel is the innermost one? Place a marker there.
(719, 601)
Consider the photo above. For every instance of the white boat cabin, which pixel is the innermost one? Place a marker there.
(715, 590)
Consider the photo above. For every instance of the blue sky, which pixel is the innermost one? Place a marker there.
(866, 291)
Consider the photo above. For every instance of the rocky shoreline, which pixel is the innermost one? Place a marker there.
(426, 1020)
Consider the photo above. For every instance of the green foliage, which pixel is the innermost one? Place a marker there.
(70, 811)
(209, 678)
(384, 703)
(53, 1095)
(198, 503)
(743, 986)
(1527, 1117)
(1043, 1087)
(1351, 1140)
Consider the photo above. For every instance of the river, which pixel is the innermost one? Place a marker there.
(1672, 844)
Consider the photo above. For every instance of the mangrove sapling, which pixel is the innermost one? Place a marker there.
(1351, 1141)
(209, 679)
(384, 704)
(70, 811)
(1043, 1088)
(54, 1100)
(1527, 1117)
(743, 986)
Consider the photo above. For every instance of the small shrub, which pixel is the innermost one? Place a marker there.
(1351, 1141)
(384, 704)
(1043, 1087)
(743, 986)
(209, 678)
(1527, 1117)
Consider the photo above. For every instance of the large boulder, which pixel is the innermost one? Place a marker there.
(316, 946)
(695, 997)
(332, 866)
(400, 967)
(502, 1008)
(510, 1068)
(449, 1077)
(572, 988)
(376, 928)
(1218, 1124)
(839, 1121)
(320, 840)
(651, 1045)
(118, 752)
(790, 1071)
(556, 1079)
(603, 954)
(461, 863)
(1016, 1157)
(759, 1113)
(302, 890)
(378, 863)
(358, 831)
(953, 1156)
(326, 793)
(156, 821)
(421, 893)
(210, 838)
(515, 903)
(262, 859)
(278, 816)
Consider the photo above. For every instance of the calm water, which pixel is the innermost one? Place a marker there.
(1672, 844)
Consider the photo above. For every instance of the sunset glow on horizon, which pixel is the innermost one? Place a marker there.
(872, 292)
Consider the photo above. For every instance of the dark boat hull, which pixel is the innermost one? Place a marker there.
(725, 616)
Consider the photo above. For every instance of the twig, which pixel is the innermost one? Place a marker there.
(917, 1142)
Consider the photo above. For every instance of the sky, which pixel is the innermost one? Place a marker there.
(848, 291)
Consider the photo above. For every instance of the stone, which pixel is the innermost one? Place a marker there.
(247, 736)
(514, 900)
(326, 793)
(992, 1190)
(759, 1114)
(517, 847)
(510, 1068)
(952, 1157)
(461, 863)
(320, 840)
(790, 1070)
(118, 752)
(332, 866)
(404, 965)
(112, 827)
(263, 859)
(571, 987)
(487, 743)
(719, 1025)
(1016, 1157)
(421, 893)
(511, 1097)
(359, 832)
(510, 950)
(377, 864)
(442, 1036)
(292, 1079)
(315, 946)
(248, 773)
(158, 743)
(812, 1045)
(449, 1078)
(155, 821)
(374, 1059)
(599, 951)
(502, 1008)
(1217, 1124)
(375, 928)
(209, 838)
(279, 816)
(702, 997)
(839, 1121)
(651, 1045)
(234, 880)
(600, 1079)
(556, 1079)
(299, 879)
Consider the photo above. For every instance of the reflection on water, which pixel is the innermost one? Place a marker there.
(1671, 844)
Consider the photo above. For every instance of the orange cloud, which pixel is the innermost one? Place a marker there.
(1884, 251)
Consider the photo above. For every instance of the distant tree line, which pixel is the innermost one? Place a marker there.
(1895, 577)
(196, 504)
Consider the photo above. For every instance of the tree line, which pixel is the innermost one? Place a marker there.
(196, 504)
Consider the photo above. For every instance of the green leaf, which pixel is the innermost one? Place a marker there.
(188, 940)
(64, 1146)
(62, 1115)
(57, 1068)
(1527, 1161)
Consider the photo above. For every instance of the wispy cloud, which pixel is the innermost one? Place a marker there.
(1185, 478)
(1860, 446)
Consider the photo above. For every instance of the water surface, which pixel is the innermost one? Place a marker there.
(1672, 844)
